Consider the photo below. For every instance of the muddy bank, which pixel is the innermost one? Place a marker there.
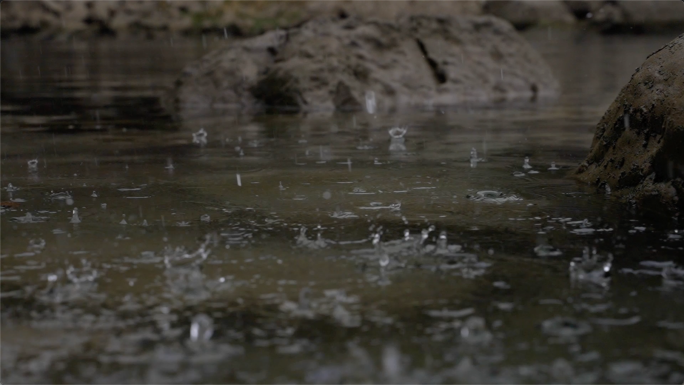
(636, 153)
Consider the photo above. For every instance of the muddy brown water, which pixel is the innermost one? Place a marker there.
(250, 258)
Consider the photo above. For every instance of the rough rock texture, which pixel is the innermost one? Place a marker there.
(241, 18)
(332, 64)
(527, 13)
(630, 16)
(638, 148)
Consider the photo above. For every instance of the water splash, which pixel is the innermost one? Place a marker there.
(492, 196)
(33, 165)
(397, 132)
(553, 167)
(74, 216)
(201, 328)
(591, 267)
(94, 194)
(11, 188)
(526, 163)
(370, 102)
(200, 137)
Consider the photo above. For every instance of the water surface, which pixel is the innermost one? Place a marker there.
(138, 248)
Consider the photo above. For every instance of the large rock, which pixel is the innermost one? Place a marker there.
(638, 148)
(338, 64)
(528, 13)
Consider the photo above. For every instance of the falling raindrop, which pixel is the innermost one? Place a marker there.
(239, 181)
(370, 102)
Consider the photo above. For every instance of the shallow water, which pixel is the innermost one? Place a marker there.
(251, 257)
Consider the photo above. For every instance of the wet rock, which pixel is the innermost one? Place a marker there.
(637, 148)
(332, 64)
(626, 16)
(525, 13)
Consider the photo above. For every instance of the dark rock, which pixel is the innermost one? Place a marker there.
(629, 16)
(525, 13)
(638, 148)
(330, 64)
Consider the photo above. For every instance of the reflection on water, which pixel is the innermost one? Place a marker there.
(427, 246)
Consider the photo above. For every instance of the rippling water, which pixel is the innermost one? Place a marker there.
(320, 248)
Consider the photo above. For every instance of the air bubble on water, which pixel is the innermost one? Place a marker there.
(205, 218)
(201, 328)
(327, 195)
(33, 164)
(397, 132)
(553, 167)
(526, 163)
(74, 216)
(200, 137)
(123, 221)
